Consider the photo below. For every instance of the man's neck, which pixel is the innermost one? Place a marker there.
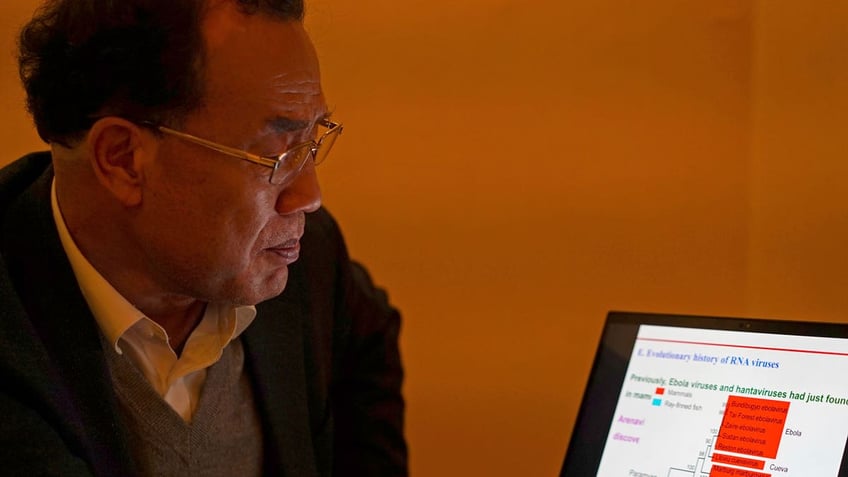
(124, 269)
(179, 323)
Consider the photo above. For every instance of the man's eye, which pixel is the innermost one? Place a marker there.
(273, 148)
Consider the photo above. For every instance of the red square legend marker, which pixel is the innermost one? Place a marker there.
(660, 391)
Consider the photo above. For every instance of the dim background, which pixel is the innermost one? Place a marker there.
(511, 170)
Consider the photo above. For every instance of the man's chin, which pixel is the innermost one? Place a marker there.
(267, 289)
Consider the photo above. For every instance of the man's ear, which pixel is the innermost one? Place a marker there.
(117, 152)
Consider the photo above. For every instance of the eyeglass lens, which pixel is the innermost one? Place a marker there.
(325, 144)
(295, 159)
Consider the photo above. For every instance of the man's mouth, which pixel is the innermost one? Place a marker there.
(288, 250)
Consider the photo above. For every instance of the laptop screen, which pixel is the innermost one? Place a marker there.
(684, 396)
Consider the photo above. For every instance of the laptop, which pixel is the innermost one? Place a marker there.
(696, 396)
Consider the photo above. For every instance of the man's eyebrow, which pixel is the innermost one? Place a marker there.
(281, 124)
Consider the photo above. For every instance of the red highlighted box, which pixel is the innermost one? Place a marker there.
(752, 426)
(739, 461)
(660, 391)
(719, 471)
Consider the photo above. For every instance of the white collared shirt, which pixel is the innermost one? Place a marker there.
(178, 380)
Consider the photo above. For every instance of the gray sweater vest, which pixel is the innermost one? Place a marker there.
(224, 437)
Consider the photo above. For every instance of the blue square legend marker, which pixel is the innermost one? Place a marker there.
(657, 402)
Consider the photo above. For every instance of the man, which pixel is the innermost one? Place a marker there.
(173, 298)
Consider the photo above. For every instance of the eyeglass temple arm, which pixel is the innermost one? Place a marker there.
(265, 161)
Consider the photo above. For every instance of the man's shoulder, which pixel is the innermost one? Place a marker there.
(20, 174)
(322, 230)
(322, 222)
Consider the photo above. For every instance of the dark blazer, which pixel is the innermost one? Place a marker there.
(323, 357)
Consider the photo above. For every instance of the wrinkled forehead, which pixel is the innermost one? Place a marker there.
(260, 62)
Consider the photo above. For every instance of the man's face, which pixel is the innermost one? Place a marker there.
(212, 227)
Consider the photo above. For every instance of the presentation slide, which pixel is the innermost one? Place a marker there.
(708, 403)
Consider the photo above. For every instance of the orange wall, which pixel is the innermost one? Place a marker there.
(799, 231)
(16, 131)
(512, 170)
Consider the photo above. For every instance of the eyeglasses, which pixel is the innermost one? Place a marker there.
(285, 166)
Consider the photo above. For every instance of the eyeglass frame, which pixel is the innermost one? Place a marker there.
(272, 162)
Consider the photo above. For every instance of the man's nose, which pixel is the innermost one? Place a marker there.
(302, 194)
